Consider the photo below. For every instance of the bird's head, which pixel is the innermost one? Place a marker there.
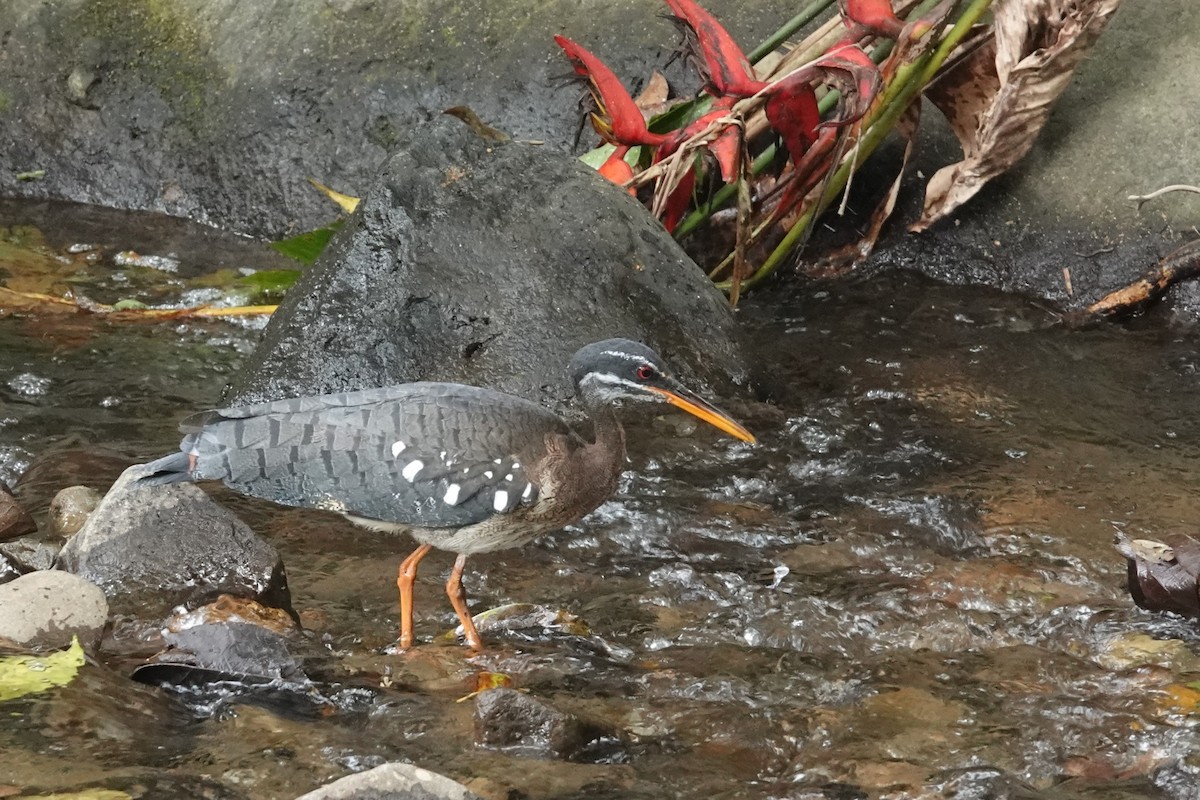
(618, 370)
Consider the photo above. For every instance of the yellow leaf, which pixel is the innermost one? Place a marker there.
(22, 675)
(1180, 699)
(347, 202)
(85, 794)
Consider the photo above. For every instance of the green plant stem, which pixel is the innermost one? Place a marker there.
(910, 80)
(814, 9)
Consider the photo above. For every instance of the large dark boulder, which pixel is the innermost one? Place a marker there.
(489, 263)
(219, 110)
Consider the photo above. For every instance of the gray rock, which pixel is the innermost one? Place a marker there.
(490, 264)
(392, 782)
(70, 508)
(153, 548)
(47, 608)
(14, 519)
(29, 555)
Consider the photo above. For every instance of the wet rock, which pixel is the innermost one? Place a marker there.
(47, 608)
(407, 290)
(230, 651)
(517, 723)
(8, 571)
(70, 508)
(14, 519)
(1131, 650)
(28, 555)
(392, 782)
(151, 549)
(232, 639)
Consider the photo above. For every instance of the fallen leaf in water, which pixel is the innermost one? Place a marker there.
(24, 675)
(1164, 575)
(1180, 698)
(998, 98)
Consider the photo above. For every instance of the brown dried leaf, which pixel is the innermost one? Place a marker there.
(652, 100)
(998, 99)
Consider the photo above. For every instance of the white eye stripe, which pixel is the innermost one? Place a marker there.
(451, 497)
(624, 355)
(528, 491)
(397, 449)
(411, 469)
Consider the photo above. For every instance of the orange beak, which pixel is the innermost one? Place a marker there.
(705, 411)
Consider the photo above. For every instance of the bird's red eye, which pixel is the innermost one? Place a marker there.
(645, 371)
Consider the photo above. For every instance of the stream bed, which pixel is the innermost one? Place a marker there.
(908, 589)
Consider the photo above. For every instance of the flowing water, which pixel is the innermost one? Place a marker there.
(907, 589)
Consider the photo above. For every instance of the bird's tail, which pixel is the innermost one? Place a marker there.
(174, 468)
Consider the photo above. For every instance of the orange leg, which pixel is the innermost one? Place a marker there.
(405, 579)
(458, 599)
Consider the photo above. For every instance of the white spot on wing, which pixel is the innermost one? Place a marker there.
(451, 497)
(508, 477)
(488, 474)
(500, 502)
(528, 491)
(397, 449)
(499, 461)
(411, 469)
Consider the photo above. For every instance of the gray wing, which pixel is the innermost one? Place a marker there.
(422, 454)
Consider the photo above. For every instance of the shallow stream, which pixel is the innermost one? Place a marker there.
(908, 589)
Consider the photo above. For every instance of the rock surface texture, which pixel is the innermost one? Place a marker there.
(151, 549)
(392, 782)
(490, 264)
(49, 607)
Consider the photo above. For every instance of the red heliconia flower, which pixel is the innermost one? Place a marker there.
(722, 64)
(726, 147)
(792, 102)
(678, 202)
(617, 169)
(617, 118)
(793, 113)
(876, 16)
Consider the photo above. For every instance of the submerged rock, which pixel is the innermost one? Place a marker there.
(515, 722)
(70, 508)
(392, 782)
(490, 264)
(48, 608)
(151, 549)
(14, 519)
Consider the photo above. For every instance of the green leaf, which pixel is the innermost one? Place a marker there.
(23, 675)
(129, 305)
(307, 246)
(268, 285)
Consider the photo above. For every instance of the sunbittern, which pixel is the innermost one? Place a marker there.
(461, 468)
